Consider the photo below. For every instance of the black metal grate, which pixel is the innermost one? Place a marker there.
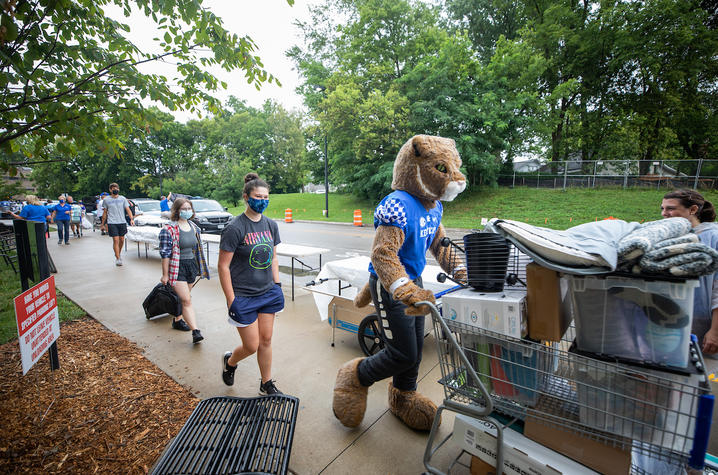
(226, 435)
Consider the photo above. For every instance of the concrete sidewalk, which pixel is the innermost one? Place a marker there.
(304, 363)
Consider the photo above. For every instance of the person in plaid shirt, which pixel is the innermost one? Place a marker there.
(182, 262)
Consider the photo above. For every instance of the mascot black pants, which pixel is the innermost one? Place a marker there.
(404, 337)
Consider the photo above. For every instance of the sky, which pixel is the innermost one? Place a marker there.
(267, 22)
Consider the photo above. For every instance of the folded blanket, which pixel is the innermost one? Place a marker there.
(686, 259)
(636, 243)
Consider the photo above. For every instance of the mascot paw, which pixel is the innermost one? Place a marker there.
(414, 409)
(363, 298)
(349, 395)
(409, 294)
(461, 275)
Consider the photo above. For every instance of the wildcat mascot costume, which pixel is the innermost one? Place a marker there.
(407, 222)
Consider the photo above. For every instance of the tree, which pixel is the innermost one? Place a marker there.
(69, 73)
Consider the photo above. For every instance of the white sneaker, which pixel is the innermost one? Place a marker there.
(118, 262)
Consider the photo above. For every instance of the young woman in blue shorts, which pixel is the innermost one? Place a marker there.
(249, 274)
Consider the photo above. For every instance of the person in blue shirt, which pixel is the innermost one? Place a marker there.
(32, 211)
(61, 214)
(164, 203)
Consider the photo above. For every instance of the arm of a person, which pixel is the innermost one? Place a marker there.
(275, 267)
(129, 213)
(16, 216)
(52, 216)
(165, 271)
(225, 277)
(709, 345)
(710, 339)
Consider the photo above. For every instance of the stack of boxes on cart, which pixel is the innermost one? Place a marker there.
(601, 368)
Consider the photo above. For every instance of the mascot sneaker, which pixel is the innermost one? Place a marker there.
(414, 409)
(350, 396)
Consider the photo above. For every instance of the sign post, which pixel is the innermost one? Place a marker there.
(38, 321)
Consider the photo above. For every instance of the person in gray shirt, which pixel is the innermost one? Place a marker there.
(114, 208)
(249, 275)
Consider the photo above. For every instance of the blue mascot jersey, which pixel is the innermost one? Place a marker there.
(404, 211)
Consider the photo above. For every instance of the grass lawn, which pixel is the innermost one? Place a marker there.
(309, 206)
(9, 289)
(550, 208)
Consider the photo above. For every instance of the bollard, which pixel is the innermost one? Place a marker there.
(357, 217)
(288, 215)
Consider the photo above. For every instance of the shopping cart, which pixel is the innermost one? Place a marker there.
(661, 418)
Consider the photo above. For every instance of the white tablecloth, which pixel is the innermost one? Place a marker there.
(355, 271)
(148, 234)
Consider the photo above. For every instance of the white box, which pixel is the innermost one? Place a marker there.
(499, 312)
(521, 455)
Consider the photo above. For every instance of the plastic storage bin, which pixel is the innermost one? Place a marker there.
(657, 407)
(641, 320)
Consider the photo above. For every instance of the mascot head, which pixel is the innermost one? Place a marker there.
(428, 168)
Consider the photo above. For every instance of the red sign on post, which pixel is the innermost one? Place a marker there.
(38, 322)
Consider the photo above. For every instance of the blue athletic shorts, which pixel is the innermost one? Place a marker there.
(244, 310)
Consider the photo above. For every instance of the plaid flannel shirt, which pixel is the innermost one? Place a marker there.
(169, 249)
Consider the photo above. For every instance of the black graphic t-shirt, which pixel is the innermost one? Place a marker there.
(253, 247)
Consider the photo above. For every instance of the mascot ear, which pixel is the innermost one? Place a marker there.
(419, 144)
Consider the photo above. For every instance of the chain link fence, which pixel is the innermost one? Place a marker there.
(697, 174)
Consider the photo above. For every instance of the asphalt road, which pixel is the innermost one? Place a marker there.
(342, 240)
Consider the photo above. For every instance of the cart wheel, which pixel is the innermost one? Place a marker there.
(369, 334)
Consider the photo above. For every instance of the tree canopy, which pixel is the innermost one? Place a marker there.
(70, 74)
(555, 78)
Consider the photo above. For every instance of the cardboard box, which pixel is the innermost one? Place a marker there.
(521, 455)
(547, 317)
(479, 467)
(349, 317)
(590, 452)
(499, 312)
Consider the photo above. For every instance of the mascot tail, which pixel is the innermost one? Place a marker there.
(363, 298)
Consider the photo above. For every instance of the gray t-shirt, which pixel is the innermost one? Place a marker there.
(187, 241)
(253, 247)
(115, 209)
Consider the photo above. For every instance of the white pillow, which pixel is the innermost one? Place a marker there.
(538, 240)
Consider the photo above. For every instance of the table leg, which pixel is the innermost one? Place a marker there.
(320, 262)
(292, 279)
(138, 248)
(146, 247)
(334, 321)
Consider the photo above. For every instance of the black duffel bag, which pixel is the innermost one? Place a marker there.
(161, 300)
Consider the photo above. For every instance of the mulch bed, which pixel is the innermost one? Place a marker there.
(106, 410)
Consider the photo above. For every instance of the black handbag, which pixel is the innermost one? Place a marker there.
(161, 300)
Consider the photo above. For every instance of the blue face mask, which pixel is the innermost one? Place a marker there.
(258, 205)
(186, 214)
(62, 202)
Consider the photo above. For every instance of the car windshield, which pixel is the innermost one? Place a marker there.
(146, 206)
(206, 205)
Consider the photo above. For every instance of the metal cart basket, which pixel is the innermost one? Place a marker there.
(659, 416)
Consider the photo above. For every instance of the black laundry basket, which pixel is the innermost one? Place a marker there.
(229, 435)
(487, 258)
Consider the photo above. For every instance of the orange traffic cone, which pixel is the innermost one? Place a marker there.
(288, 215)
(357, 217)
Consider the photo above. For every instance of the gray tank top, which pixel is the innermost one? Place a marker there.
(187, 241)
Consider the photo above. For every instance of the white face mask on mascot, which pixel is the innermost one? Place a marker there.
(428, 168)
